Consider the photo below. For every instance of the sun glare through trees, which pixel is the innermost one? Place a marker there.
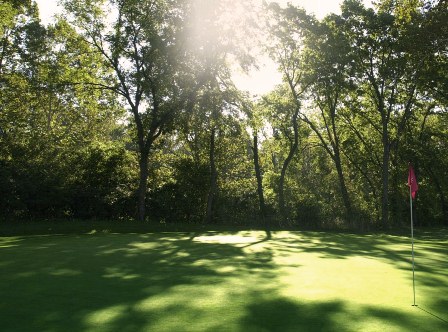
(296, 113)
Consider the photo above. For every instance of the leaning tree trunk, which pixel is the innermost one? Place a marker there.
(343, 188)
(213, 180)
(292, 151)
(259, 181)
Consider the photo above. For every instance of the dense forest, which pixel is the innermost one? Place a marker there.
(126, 109)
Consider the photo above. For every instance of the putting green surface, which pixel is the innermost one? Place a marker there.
(218, 281)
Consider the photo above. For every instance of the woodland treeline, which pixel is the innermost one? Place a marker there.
(127, 109)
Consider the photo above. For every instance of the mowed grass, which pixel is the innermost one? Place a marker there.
(223, 281)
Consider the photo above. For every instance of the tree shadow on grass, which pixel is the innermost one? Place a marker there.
(396, 250)
(124, 282)
(431, 250)
(433, 315)
(173, 282)
(280, 314)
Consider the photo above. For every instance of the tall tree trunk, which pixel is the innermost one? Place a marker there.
(143, 163)
(343, 186)
(213, 179)
(338, 163)
(385, 180)
(259, 181)
(395, 203)
(292, 151)
(332, 147)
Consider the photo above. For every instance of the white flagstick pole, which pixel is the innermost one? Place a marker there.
(412, 236)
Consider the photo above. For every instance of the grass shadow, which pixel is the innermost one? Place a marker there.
(117, 281)
(433, 315)
(280, 314)
(203, 281)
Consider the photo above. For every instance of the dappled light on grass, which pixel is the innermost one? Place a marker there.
(221, 281)
(9, 242)
(227, 239)
(360, 275)
(105, 316)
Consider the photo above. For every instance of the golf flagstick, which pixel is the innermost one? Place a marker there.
(412, 237)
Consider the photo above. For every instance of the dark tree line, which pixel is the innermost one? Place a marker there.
(127, 109)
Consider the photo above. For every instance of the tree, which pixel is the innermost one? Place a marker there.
(46, 119)
(212, 120)
(256, 122)
(12, 18)
(160, 56)
(283, 115)
(381, 67)
(311, 57)
(142, 45)
(326, 73)
(427, 38)
(220, 33)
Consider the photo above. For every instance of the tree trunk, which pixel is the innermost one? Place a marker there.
(213, 180)
(338, 163)
(385, 181)
(143, 163)
(343, 187)
(281, 193)
(259, 181)
(292, 151)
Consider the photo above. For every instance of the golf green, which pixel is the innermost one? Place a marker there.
(223, 281)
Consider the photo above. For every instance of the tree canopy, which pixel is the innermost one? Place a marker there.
(128, 109)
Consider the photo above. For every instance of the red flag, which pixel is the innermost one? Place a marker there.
(412, 181)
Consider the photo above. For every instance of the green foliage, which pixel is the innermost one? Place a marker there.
(183, 198)
(108, 107)
(103, 182)
(51, 126)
